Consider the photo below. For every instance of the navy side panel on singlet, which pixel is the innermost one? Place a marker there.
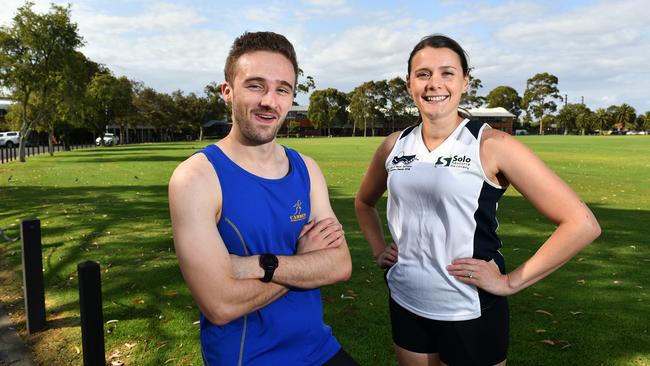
(486, 241)
(265, 216)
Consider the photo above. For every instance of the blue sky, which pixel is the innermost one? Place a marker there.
(599, 50)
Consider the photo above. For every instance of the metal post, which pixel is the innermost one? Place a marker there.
(30, 234)
(92, 318)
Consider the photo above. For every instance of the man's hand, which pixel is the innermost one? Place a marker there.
(327, 233)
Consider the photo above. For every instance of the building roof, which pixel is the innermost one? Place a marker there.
(490, 112)
(299, 108)
(217, 122)
(5, 103)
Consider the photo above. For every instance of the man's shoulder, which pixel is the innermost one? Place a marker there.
(311, 164)
(195, 170)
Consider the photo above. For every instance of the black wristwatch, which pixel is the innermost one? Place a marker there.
(269, 263)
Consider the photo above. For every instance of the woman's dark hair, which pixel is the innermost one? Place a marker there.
(440, 41)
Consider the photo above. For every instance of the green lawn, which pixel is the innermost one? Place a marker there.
(110, 205)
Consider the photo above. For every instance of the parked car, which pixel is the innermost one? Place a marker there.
(110, 139)
(9, 138)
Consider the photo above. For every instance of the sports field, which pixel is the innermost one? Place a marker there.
(110, 205)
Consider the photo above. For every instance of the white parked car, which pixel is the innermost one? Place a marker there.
(10, 138)
(110, 139)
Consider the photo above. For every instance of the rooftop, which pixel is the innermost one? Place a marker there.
(490, 112)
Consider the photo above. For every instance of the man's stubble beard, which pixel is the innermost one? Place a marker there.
(254, 136)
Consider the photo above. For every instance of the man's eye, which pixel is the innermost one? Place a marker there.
(422, 75)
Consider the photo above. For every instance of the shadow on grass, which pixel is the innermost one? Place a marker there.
(134, 153)
(127, 229)
(602, 289)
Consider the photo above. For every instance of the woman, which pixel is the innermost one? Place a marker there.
(444, 176)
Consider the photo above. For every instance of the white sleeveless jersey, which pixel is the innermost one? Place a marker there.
(441, 207)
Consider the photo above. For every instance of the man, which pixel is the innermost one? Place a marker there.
(254, 231)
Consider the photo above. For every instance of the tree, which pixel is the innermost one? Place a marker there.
(157, 110)
(601, 119)
(70, 103)
(540, 96)
(33, 53)
(400, 105)
(575, 116)
(505, 97)
(64, 110)
(612, 110)
(366, 104)
(625, 116)
(642, 122)
(194, 111)
(471, 99)
(110, 101)
(218, 106)
(585, 121)
(307, 85)
(124, 94)
(327, 107)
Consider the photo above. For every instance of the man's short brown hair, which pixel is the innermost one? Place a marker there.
(259, 41)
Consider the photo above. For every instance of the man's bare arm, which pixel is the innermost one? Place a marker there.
(195, 204)
(327, 260)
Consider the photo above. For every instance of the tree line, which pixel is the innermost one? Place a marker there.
(386, 103)
(57, 90)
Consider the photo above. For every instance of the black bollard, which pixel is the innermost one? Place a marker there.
(30, 234)
(92, 317)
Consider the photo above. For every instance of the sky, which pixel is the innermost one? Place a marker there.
(599, 50)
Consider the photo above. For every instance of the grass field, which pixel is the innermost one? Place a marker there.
(110, 205)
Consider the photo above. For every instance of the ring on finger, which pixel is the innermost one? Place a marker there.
(470, 274)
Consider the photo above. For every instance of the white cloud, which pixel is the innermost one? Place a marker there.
(264, 15)
(9, 8)
(326, 3)
(161, 17)
(360, 54)
(597, 49)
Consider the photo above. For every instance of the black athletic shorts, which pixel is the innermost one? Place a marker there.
(481, 341)
(341, 358)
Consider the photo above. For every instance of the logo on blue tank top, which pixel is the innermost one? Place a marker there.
(298, 215)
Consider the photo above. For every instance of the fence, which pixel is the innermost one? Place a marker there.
(90, 295)
(8, 154)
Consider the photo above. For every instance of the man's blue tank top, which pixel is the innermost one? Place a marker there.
(265, 216)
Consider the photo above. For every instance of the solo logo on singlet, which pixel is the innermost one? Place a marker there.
(298, 215)
(402, 162)
(454, 161)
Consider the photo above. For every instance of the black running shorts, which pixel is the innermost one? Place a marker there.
(481, 341)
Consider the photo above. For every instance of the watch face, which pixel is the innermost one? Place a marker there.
(269, 261)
